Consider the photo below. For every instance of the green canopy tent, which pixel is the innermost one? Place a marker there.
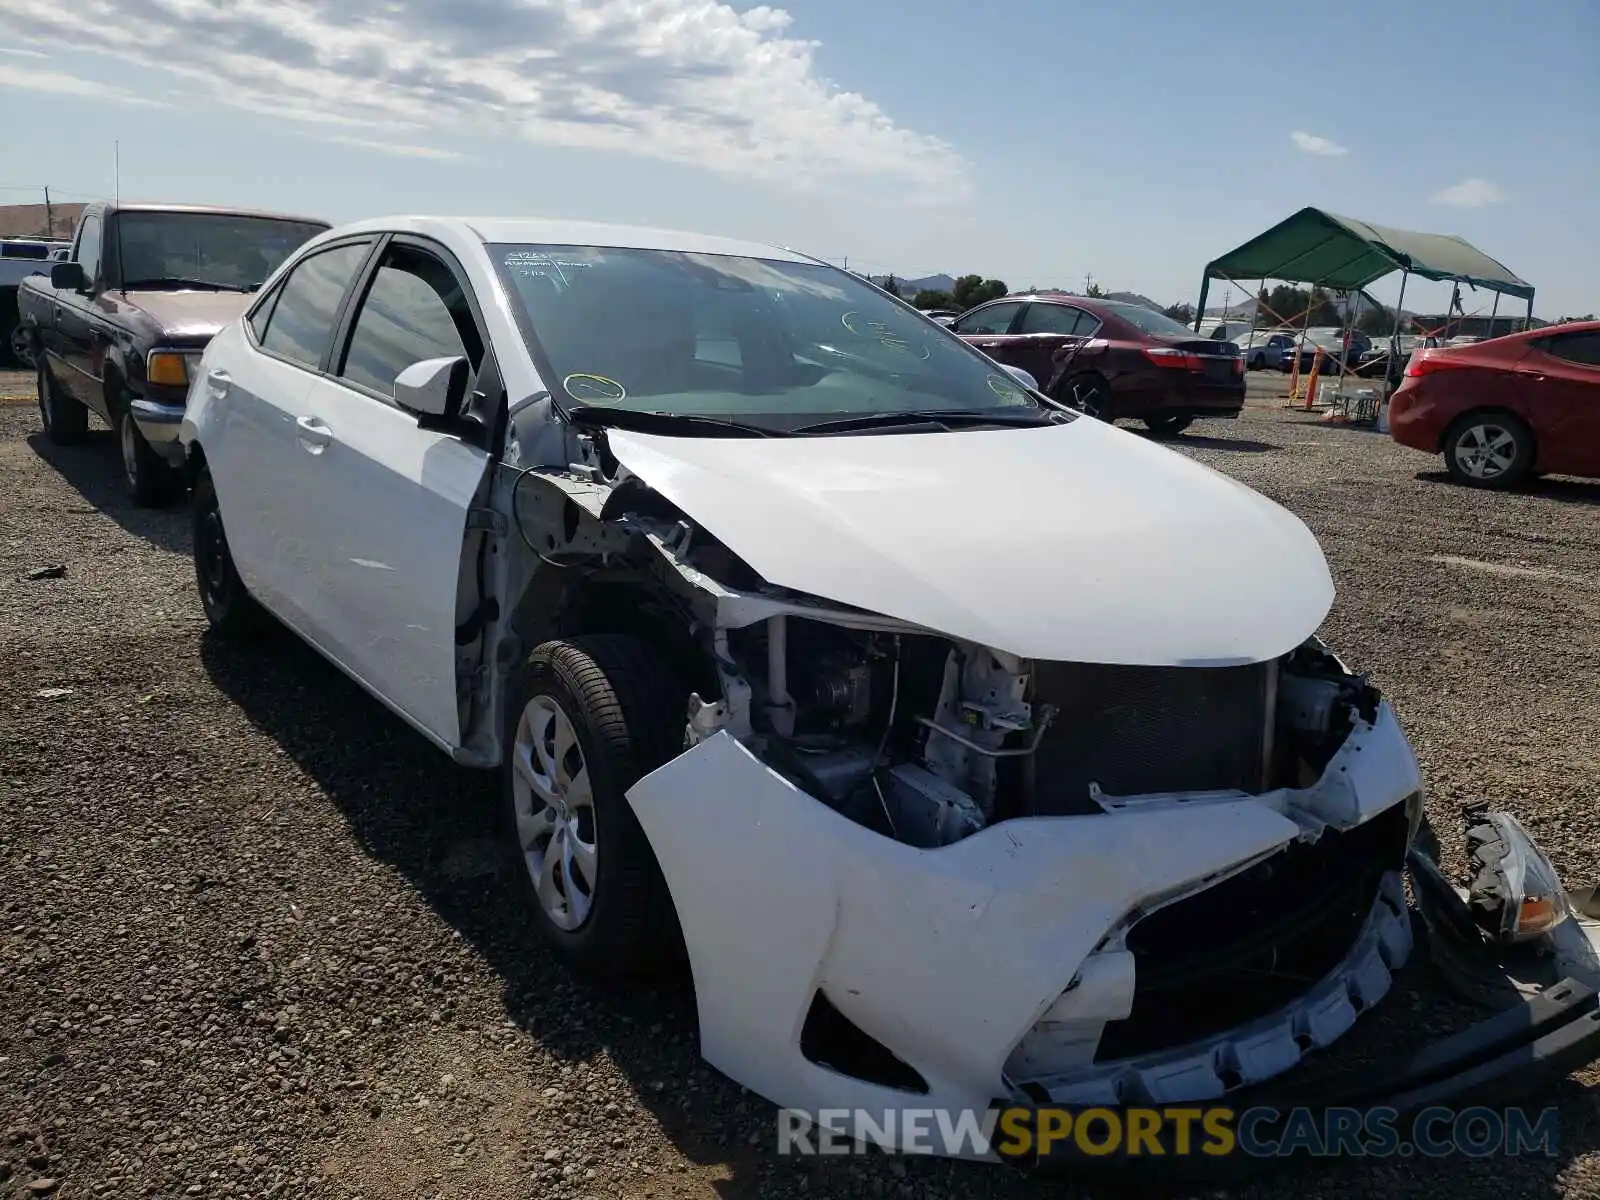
(1345, 255)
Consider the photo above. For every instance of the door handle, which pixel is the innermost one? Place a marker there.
(313, 435)
(218, 382)
(1536, 376)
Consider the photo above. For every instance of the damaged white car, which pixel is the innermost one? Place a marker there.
(974, 751)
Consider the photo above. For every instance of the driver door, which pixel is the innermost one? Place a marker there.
(390, 499)
(989, 329)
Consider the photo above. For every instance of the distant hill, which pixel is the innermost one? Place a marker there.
(28, 220)
(910, 287)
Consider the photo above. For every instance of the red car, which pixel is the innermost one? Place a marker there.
(1110, 359)
(1501, 409)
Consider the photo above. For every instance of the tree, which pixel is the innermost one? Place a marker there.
(1094, 290)
(926, 299)
(972, 290)
(1377, 320)
(1183, 314)
(890, 286)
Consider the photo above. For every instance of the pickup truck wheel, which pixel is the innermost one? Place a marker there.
(65, 420)
(20, 342)
(592, 716)
(231, 610)
(150, 481)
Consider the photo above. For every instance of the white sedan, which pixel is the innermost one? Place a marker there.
(970, 749)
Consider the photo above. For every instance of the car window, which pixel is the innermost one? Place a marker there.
(225, 250)
(87, 250)
(300, 327)
(996, 318)
(414, 310)
(1581, 348)
(263, 312)
(1053, 318)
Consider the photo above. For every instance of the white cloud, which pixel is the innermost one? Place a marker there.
(399, 149)
(41, 79)
(1312, 144)
(1470, 193)
(691, 81)
(21, 53)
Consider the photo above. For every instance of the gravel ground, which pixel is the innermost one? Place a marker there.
(256, 938)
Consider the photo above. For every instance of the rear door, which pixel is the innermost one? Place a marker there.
(1562, 377)
(989, 328)
(1044, 333)
(258, 380)
(385, 501)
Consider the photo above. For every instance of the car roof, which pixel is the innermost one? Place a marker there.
(547, 231)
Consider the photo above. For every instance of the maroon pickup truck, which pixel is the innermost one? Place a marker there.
(118, 327)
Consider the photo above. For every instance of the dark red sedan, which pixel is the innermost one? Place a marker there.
(1498, 410)
(1110, 359)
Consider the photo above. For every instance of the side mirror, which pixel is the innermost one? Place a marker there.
(68, 277)
(1022, 377)
(435, 387)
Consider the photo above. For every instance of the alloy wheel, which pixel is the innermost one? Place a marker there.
(1486, 450)
(555, 813)
(127, 436)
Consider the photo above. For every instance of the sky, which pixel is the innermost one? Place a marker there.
(1041, 142)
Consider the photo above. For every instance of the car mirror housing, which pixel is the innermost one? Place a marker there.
(1022, 377)
(68, 277)
(435, 387)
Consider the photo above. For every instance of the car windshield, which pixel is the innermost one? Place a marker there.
(764, 340)
(1149, 320)
(222, 250)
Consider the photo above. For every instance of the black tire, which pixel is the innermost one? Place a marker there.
(1165, 426)
(19, 343)
(150, 481)
(1469, 441)
(232, 611)
(1258, 362)
(1091, 395)
(65, 420)
(628, 714)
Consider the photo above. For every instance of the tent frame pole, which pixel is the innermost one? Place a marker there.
(1494, 311)
(1394, 334)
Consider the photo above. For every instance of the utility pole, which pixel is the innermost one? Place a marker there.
(49, 215)
(1088, 282)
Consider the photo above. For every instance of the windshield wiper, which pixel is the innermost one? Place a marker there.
(180, 281)
(643, 421)
(948, 419)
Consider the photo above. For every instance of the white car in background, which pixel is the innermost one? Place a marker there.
(971, 749)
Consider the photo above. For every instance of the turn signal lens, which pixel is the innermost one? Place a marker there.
(167, 369)
(1535, 915)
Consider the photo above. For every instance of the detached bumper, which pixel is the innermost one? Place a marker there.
(1492, 1064)
(160, 424)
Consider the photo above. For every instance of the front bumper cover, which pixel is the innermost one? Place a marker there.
(160, 424)
(1494, 1062)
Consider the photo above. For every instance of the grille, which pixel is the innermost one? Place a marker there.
(1137, 730)
(1254, 943)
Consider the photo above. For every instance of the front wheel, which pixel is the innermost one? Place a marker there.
(1488, 450)
(149, 480)
(1165, 426)
(1258, 362)
(232, 611)
(594, 715)
(65, 420)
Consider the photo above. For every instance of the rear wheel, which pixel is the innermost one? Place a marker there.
(65, 420)
(150, 481)
(595, 714)
(1258, 361)
(1167, 425)
(1091, 395)
(1489, 450)
(231, 610)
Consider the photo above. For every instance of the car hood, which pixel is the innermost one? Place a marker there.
(1076, 542)
(196, 314)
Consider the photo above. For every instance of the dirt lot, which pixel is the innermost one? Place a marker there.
(256, 940)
